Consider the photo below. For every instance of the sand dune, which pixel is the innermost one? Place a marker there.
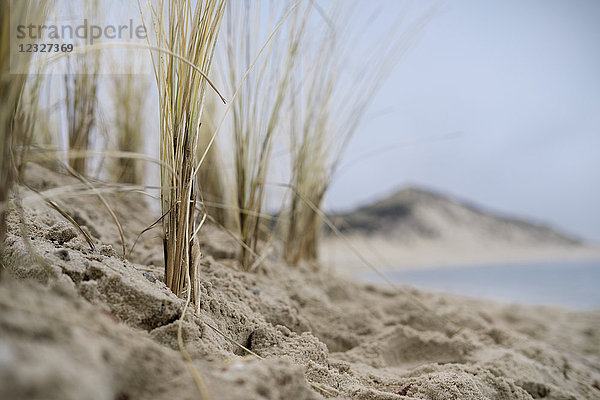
(418, 228)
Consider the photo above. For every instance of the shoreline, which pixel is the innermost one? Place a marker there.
(386, 256)
(569, 284)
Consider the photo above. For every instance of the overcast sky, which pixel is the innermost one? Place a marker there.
(520, 81)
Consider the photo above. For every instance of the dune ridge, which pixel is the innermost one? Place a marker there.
(415, 227)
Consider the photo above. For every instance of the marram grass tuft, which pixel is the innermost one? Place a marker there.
(81, 99)
(327, 112)
(256, 120)
(11, 91)
(186, 32)
(128, 95)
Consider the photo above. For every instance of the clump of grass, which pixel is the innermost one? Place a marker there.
(326, 114)
(26, 118)
(186, 33)
(128, 93)
(81, 88)
(11, 92)
(256, 113)
(210, 177)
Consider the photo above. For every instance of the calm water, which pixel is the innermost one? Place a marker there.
(573, 284)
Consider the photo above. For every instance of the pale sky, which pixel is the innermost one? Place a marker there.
(520, 81)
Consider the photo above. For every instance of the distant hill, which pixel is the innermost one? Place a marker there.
(417, 215)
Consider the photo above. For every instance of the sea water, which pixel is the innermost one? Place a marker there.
(571, 283)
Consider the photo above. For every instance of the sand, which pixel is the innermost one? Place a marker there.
(77, 323)
(388, 255)
(417, 228)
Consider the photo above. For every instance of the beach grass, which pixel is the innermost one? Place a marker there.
(187, 32)
(210, 178)
(256, 114)
(81, 99)
(128, 93)
(327, 113)
(12, 85)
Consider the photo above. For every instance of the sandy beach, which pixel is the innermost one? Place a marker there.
(299, 200)
(342, 254)
(78, 323)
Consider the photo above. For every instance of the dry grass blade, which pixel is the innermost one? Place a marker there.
(62, 212)
(66, 216)
(49, 153)
(151, 226)
(114, 217)
(247, 350)
(233, 236)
